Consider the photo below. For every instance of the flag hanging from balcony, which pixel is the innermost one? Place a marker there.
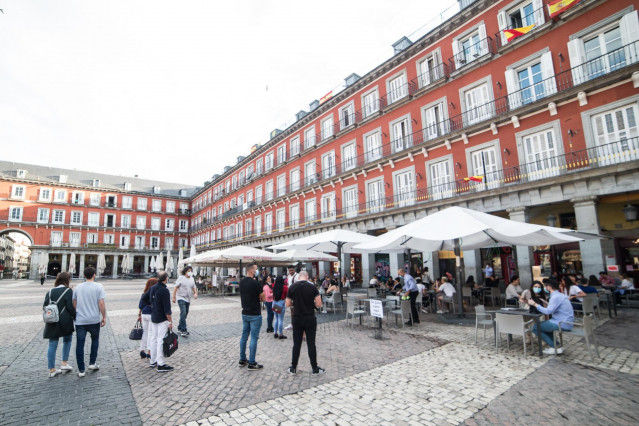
(558, 7)
(474, 178)
(326, 97)
(517, 32)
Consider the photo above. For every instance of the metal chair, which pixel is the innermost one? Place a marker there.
(353, 310)
(450, 300)
(467, 293)
(511, 324)
(418, 301)
(371, 292)
(493, 294)
(391, 304)
(335, 299)
(403, 311)
(585, 330)
(482, 318)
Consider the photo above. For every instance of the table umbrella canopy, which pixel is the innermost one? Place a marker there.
(43, 266)
(329, 241)
(101, 265)
(300, 255)
(180, 256)
(169, 262)
(474, 230)
(72, 264)
(159, 262)
(152, 263)
(235, 255)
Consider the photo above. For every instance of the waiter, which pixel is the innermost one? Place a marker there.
(410, 289)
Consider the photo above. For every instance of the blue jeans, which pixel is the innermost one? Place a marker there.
(184, 311)
(279, 321)
(546, 328)
(80, 336)
(53, 349)
(269, 315)
(251, 324)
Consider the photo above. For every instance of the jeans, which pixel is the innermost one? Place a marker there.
(80, 337)
(303, 325)
(184, 311)
(53, 349)
(269, 315)
(546, 329)
(279, 321)
(156, 337)
(251, 324)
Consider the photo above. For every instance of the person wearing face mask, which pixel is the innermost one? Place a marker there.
(561, 310)
(537, 294)
(184, 287)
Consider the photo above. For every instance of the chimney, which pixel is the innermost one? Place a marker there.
(351, 79)
(401, 45)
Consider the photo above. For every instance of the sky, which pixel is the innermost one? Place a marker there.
(175, 91)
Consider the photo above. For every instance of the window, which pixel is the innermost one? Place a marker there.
(476, 104)
(371, 103)
(268, 190)
(328, 207)
(249, 172)
(268, 223)
(60, 196)
(433, 118)
(351, 203)
(294, 148)
(154, 243)
(184, 208)
(604, 47)
(127, 202)
(125, 241)
(156, 205)
(281, 185)
(109, 220)
(524, 14)
(15, 214)
(58, 217)
(404, 188)
(76, 218)
(259, 167)
(349, 156)
(94, 198)
(401, 134)
(268, 161)
(18, 192)
(309, 211)
(258, 195)
(327, 128)
(93, 219)
(109, 239)
(309, 137)
(375, 195)
(92, 238)
(170, 206)
(45, 194)
(484, 161)
(310, 175)
(139, 242)
(373, 146)
(77, 197)
(227, 186)
(75, 239)
(56, 238)
(125, 221)
(140, 222)
(429, 69)
(295, 179)
(347, 116)
(169, 224)
(281, 153)
(43, 215)
(470, 46)
(184, 225)
(441, 178)
(168, 243)
(258, 225)
(241, 180)
(234, 183)
(294, 216)
(328, 165)
(142, 203)
(397, 88)
(530, 81)
(280, 220)
(615, 134)
(155, 223)
(539, 151)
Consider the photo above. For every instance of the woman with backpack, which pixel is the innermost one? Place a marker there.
(62, 297)
(279, 304)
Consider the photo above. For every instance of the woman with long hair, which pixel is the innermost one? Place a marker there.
(279, 296)
(267, 287)
(62, 296)
(535, 293)
(144, 316)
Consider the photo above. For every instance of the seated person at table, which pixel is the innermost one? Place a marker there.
(395, 285)
(445, 292)
(513, 291)
(373, 282)
(474, 287)
(593, 282)
(561, 310)
(332, 289)
(491, 281)
(625, 286)
(537, 294)
(424, 292)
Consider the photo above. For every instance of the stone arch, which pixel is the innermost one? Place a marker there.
(20, 231)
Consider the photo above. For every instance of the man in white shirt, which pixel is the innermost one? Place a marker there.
(292, 276)
(488, 270)
(445, 293)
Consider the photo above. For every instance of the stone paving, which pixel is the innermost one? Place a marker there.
(433, 373)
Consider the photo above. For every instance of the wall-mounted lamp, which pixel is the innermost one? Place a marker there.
(499, 85)
(414, 121)
(360, 191)
(387, 185)
(384, 134)
(452, 104)
(458, 164)
(571, 133)
(420, 176)
(551, 220)
(630, 212)
(561, 57)
(506, 151)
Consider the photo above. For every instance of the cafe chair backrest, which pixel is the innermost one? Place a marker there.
(372, 292)
(511, 324)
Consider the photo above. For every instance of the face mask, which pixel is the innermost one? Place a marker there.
(189, 274)
(537, 290)
(546, 290)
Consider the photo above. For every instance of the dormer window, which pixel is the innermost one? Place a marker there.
(127, 186)
(96, 183)
(63, 178)
(21, 173)
(156, 189)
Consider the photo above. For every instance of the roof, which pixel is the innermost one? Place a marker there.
(51, 175)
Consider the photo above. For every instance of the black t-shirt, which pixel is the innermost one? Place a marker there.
(303, 295)
(250, 290)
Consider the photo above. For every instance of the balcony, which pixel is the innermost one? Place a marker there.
(471, 54)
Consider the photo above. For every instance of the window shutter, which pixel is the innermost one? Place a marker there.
(629, 26)
(514, 96)
(502, 20)
(538, 7)
(548, 73)
(482, 40)
(577, 56)
(456, 50)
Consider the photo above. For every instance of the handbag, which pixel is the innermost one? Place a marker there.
(278, 306)
(169, 343)
(136, 333)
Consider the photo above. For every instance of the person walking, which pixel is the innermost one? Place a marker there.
(43, 277)
(88, 301)
(64, 327)
(279, 297)
(159, 297)
(303, 297)
(267, 286)
(144, 316)
(410, 290)
(184, 287)
(251, 296)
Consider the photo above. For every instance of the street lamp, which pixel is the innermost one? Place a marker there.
(630, 212)
(551, 219)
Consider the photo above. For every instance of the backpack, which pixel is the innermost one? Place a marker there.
(51, 315)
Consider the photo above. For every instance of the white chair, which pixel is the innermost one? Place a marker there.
(403, 311)
(588, 305)
(493, 294)
(450, 300)
(353, 310)
(335, 299)
(467, 293)
(391, 304)
(513, 325)
(482, 318)
(372, 292)
(418, 301)
(584, 329)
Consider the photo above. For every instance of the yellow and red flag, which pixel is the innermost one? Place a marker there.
(517, 32)
(326, 97)
(558, 7)
(474, 178)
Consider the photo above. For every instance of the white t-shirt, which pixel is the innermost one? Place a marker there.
(448, 289)
(625, 284)
(290, 279)
(575, 290)
(373, 281)
(185, 286)
(421, 288)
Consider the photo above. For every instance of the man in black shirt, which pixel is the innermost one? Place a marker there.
(252, 296)
(303, 297)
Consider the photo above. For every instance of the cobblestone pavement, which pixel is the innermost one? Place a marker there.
(433, 373)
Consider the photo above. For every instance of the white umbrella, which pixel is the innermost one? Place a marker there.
(180, 257)
(300, 255)
(193, 254)
(72, 264)
(130, 263)
(44, 263)
(101, 266)
(169, 262)
(237, 255)
(152, 263)
(159, 262)
(125, 263)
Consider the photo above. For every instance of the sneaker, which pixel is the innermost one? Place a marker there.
(551, 351)
(289, 327)
(282, 337)
(276, 335)
(66, 368)
(94, 367)
(440, 311)
(81, 374)
(54, 373)
(153, 364)
(560, 351)
(243, 363)
(292, 370)
(142, 354)
(164, 368)
(318, 370)
(269, 330)
(255, 366)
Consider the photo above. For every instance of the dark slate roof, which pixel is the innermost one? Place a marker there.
(51, 175)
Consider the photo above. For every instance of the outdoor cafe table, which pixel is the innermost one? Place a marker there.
(525, 313)
(609, 301)
(378, 331)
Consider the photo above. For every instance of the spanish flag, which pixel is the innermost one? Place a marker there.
(474, 178)
(517, 32)
(557, 7)
(326, 97)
